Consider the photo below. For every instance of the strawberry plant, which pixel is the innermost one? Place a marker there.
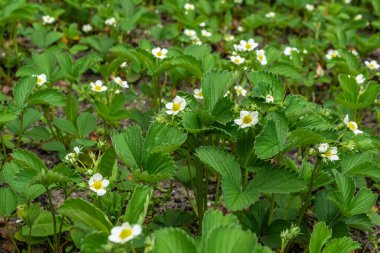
(189, 126)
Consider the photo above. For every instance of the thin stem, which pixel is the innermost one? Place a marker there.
(199, 191)
(271, 209)
(11, 235)
(217, 192)
(133, 248)
(52, 210)
(20, 129)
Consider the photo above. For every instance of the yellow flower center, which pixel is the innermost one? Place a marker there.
(176, 106)
(248, 46)
(333, 55)
(125, 233)
(98, 185)
(200, 94)
(98, 87)
(236, 61)
(39, 80)
(260, 57)
(351, 125)
(328, 153)
(371, 65)
(159, 53)
(247, 119)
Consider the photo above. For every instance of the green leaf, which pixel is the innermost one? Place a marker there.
(303, 137)
(72, 107)
(277, 180)
(215, 84)
(230, 239)
(94, 242)
(138, 205)
(42, 226)
(163, 138)
(157, 166)
(173, 240)
(29, 159)
(107, 162)
(226, 165)
(47, 97)
(221, 161)
(266, 83)
(82, 213)
(321, 233)
(361, 164)
(184, 61)
(65, 125)
(342, 245)
(8, 202)
(49, 178)
(215, 218)
(128, 146)
(23, 89)
(86, 123)
(272, 138)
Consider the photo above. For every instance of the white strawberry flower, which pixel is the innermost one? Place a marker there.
(41, 79)
(240, 28)
(110, 21)
(352, 125)
(229, 37)
(48, 19)
(358, 17)
(124, 65)
(120, 82)
(190, 33)
(360, 79)
(198, 93)
(189, 7)
(240, 91)
(270, 14)
(269, 99)
(331, 53)
(124, 233)
(260, 56)
(203, 24)
(309, 7)
(247, 119)
(159, 53)
(248, 45)
(373, 65)
(237, 59)
(98, 86)
(87, 28)
(206, 34)
(328, 152)
(323, 147)
(288, 51)
(98, 184)
(176, 106)
(354, 51)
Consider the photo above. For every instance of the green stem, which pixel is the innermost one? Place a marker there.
(199, 190)
(20, 129)
(11, 235)
(217, 192)
(52, 210)
(306, 199)
(271, 209)
(133, 248)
